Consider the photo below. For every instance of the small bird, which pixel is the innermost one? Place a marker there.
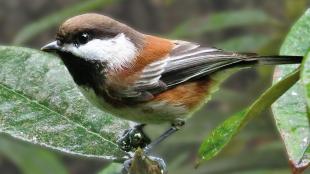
(144, 78)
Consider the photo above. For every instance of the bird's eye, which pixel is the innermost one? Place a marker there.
(82, 38)
(59, 42)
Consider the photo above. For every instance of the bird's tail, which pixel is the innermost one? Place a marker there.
(273, 60)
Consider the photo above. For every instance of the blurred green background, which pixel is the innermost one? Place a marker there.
(237, 25)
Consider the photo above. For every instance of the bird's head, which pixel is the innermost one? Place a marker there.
(94, 37)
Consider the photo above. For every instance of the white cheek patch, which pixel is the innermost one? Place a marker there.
(118, 52)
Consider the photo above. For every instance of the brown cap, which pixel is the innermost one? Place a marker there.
(99, 25)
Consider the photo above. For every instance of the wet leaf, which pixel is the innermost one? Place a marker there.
(222, 134)
(290, 111)
(305, 78)
(40, 103)
(291, 119)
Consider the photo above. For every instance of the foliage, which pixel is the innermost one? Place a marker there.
(290, 110)
(220, 137)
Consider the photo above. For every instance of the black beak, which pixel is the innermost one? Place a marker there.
(51, 47)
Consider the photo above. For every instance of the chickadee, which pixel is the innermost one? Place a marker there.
(140, 77)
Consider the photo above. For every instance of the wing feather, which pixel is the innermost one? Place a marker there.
(187, 61)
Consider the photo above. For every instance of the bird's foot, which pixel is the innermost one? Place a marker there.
(178, 123)
(133, 138)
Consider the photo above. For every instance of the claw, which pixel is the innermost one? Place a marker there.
(133, 138)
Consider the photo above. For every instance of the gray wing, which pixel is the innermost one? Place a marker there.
(191, 61)
(186, 62)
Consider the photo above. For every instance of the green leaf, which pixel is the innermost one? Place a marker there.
(220, 21)
(290, 115)
(30, 159)
(35, 28)
(40, 103)
(222, 134)
(290, 111)
(305, 78)
(297, 42)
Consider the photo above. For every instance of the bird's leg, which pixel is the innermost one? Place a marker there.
(177, 125)
(133, 138)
